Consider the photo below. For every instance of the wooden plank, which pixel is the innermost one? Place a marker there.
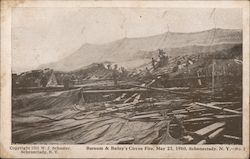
(218, 108)
(212, 136)
(162, 103)
(120, 97)
(122, 105)
(199, 80)
(199, 119)
(202, 142)
(183, 111)
(126, 140)
(161, 111)
(207, 115)
(216, 133)
(232, 137)
(224, 103)
(200, 77)
(146, 116)
(227, 116)
(123, 95)
(127, 107)
(161, 90)
(115, 91)
(130, 98)
(136, 100)
(210, 128)
(152, 82)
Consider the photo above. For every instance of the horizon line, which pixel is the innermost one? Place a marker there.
(138, 37)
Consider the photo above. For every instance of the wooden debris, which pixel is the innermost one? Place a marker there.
(118, 99)
(162, 103)
(126, 140)
(210, 128)
(183, 111)
(130, 98)
(137, 98)
(232, 137)
(114, 91)
(199, 119)
(152, 82)
(212, 136)
(218, 108)
(146, 116)
(131, 116)
(199, 80)
(227, 116)
(224, 103)
(216, 133)
(162, 90)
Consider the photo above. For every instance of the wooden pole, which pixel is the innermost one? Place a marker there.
(218, 108)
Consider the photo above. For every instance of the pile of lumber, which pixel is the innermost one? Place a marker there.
(201, 122)
(141, 114)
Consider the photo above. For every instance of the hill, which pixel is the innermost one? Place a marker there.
(133, 52)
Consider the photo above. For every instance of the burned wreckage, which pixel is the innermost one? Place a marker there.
(193, 98)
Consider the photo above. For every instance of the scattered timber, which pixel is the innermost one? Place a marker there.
(161, 90)
(115, 91)
(218, 108)
(211, 136)
(210, 128)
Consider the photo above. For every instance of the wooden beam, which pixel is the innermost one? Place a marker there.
(114, 91)
(152, 82)
(120, 97)
(206, 130)
(146, 116)
(137, 98)
(162, 90)
(212, 136)
(216, 133)
(183, 111)
(227, 116)
(232, 137)
(218, 108)
(224, 103)
(200, 77)
(199, 119)
(130, 98)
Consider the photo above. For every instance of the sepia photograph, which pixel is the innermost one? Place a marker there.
(124, 79)
(149, 76)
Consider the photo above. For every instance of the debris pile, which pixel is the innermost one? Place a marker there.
(138, 115)
(37, 78)
(190, 99)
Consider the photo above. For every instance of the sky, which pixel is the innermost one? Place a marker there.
(43, 35)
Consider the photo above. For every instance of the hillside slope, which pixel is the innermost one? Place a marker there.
(130, 50)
